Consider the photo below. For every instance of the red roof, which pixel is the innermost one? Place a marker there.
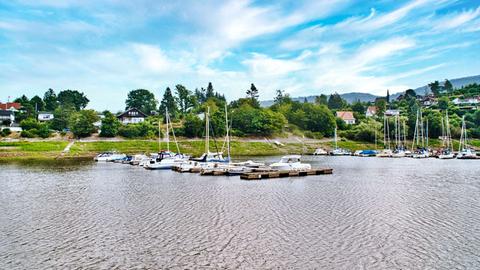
(372, 109)
(345, 115)
(9, 105)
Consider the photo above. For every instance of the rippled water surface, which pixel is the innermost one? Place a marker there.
(371, 213)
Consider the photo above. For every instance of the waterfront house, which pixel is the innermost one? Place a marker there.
(10, 106)
(392, 112)
(7, 117)
(371, 111)
(132, 116)
(45, 116)
(347, 117)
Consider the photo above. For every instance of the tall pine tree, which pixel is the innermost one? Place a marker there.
(168, 102)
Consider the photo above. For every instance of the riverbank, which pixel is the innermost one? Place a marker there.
(54, 149)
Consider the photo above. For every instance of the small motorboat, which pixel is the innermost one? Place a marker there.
(139, 159)
(467, 153)
(446, 154)
(340, 152)
(367, 153)
(109, 156)
(320, 152)
(385, 153)
(290, 163)
(165, 160)
(421, 153)
(399, 153)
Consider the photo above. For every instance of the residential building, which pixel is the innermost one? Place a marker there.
(45, 116)
(467, 101)
(132, 116)
(371, 111)
(392, 112)
(347, 117)
(11, 106)
(7, 117)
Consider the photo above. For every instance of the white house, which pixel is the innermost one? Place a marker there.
(7, 117)
(45, 116)
(468, 101)
(132, 116)
(392, 112)
(347, 117)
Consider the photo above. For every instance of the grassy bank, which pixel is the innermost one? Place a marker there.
(22, 150)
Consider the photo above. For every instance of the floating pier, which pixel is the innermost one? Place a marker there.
(280, 174)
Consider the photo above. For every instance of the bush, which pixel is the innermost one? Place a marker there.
(140, 130)
(28, 133)
(6, 132)
(29, 123)
(43, 131)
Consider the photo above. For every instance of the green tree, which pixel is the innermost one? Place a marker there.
(110, 125)
(142, 99)
(388, 96)
(321, 100)
(37, 103)
(61, 116)
(50, 100)
(435, 88)
(381, 104)
(358, 107)
(448, 86)
(335, 102)
(193, 126)
(29, 123)
(81, 123)
(281, 98)
(210, 91)
(410, 93)
(168, 102)
(443, 103)
(252, 93)
(73, 98)
(186, 100)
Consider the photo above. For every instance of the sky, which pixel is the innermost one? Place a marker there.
(107, 48)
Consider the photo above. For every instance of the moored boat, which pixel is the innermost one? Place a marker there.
(290, 163)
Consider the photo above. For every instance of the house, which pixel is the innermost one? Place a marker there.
(347, 117)
(7, 117)
(371, 111)
(11, 106)
(132, 116)
(468, 101)
(392, 112)
(45, 116)
(428, 101)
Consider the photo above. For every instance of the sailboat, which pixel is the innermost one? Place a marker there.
(465, 151)
(166, 159)
(399, 151)
(386, 152)
(419, 138)
(339, 151)
(446, 152)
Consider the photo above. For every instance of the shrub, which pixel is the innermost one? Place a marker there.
(6, 132)
(28, 133)
(29, 123)
(43, 131)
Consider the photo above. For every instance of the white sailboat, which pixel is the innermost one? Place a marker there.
(400, 150)
(464, 150)
(339, 151)
(419, 138)
(166, 159)
(446, 152)
(386, 152)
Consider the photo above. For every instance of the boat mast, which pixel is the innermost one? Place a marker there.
(207, 131)
(449, 135)
(167, 135)
(173, 133)
(159, 134)
(227, 133)
(426, 132)
(336, 147)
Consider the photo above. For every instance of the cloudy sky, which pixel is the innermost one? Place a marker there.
(106, 48)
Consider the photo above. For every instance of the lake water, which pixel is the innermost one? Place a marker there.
(370, 214)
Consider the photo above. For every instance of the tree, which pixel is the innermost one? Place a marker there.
(335, 102)
(81, 123)
(252, 93)
(358, 107)
(282, 97)
(210, 92)
(435, 87)
(321, 100)
(50, 100)
(443, 103)
(193, 126)
(448, 86)
(28, 110)
(168, 102)
(142, 99)
(388, 96)
(61, 116)
(381, 104)
(186, 100)
(73, 98)
(110, 125)
(410, 93)
(37, 103)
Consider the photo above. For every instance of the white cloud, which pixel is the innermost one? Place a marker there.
(457, 19)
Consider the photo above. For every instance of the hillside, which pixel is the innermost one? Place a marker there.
(365, 97)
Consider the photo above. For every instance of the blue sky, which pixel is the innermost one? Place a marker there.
(106, 48)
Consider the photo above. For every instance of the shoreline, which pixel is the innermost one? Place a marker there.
(16, 150)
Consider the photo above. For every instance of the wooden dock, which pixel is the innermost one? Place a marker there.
(280, 174)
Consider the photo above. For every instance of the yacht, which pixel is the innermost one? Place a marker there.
(165, 160)
(320, 152)
(290, 163)
(465, 151)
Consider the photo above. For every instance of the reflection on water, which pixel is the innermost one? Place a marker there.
(371, 213)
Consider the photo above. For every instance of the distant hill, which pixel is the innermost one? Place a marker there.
(365, 97)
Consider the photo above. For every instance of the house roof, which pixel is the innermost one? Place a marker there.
(127, 113)
(9, 105)
(372, 109)
(345, 115)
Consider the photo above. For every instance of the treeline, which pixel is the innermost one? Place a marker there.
(247, 117)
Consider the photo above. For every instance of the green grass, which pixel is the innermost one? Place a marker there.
(24, 146)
